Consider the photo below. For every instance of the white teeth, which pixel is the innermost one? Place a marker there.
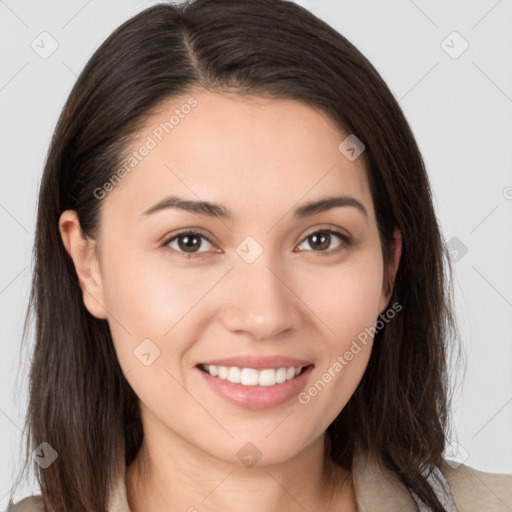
(281, 375)
(249, 377)
(252, 377)
(267, 377)
(234, 375)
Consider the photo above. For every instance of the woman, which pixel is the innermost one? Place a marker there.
(240, 284)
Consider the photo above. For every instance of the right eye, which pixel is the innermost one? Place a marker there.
(189, 243)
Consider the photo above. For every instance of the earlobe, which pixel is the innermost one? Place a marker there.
(389, 280)
(83, 254)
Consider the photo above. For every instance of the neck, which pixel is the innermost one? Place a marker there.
(186, 478)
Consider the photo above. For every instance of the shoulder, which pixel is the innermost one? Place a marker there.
(30, 504)
(462, 487)
(477, 490)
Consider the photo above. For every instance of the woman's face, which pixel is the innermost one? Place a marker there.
(265, 281)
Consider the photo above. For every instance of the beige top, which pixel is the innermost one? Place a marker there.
(378, 489)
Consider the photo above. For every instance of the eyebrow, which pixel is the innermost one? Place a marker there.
(216, 210)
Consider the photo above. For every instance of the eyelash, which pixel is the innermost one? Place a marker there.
(346, 242)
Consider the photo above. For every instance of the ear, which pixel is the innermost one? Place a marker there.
(389, 279)
(82, 251)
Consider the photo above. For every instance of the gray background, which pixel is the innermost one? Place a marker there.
(459, 109)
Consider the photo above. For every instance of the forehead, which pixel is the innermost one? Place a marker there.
(243, 151)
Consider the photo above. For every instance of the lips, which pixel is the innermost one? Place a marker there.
(258, 362)
(256, 382)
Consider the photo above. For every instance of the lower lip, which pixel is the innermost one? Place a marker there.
(258, 397)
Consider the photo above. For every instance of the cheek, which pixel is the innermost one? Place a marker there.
(345, 352)
(346, 296)
(150, 299)
(149, 295)
(346, 299)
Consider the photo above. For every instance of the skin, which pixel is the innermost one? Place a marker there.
(260, 159)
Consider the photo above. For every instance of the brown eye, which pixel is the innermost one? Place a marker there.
(324, 241)
(320, 241)
(189, 242)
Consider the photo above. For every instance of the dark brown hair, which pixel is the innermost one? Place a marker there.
(80, 402)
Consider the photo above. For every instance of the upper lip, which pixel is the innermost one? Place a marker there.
(259, 362)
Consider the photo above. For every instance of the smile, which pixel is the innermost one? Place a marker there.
(256, 382)
(251, 377)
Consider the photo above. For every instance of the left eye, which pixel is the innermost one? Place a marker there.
(324, 240)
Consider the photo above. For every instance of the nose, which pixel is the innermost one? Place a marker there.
(260, 303)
